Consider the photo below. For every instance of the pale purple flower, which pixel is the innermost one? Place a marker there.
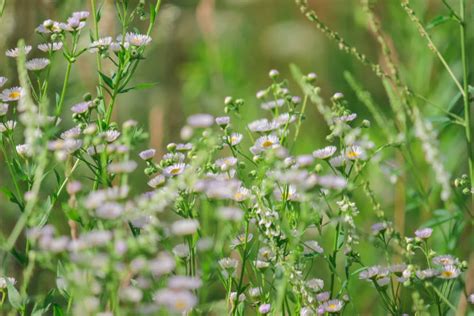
(12, 94)
(333, 306)
(3, 109)
(185, 227)
(81, 108)
(264, 309)
(15, 52)
(50, 47)
(200, 120)
(424, 233)
(3, 80)
(147, 154)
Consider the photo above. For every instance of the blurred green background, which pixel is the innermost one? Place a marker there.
(205, 50)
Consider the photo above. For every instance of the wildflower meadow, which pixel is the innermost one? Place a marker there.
(257, 157)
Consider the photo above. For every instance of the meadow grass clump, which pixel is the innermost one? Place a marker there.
(236, 219)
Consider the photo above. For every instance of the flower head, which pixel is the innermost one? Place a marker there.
(15, 52)
(12, 94)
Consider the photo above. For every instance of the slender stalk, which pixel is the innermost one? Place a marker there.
(465, 67)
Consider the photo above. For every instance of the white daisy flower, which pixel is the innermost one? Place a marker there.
(354, 152)
(185, 227)
(242, 194)
(81, 108)
(147, 154)
(177, 301)
(315, 285)
(3, 109)
(50, 47)
(231, 213)
(270, 105)
(263, 125)
(111, 135)
(48, 27)
(156, 181)
(264, 143)
(234, 139)
(445, 260)
(346, 118)
(122, 167)
(325, 152)
(226, 163)
(449, 272)
(333, 306)
(12, 94)
(424, 233)
(136, 39)
(3, 80)
(284, 119)
(73, 24)
(15, 52)
(37, 64)
(200, 120)
(223, 120)
(7, 126)
(174, 170)
(337, 161)
(100, 44)
(81, 15)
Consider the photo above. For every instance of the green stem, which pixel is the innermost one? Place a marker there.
(467, 110)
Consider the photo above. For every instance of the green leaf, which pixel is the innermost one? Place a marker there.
(108, 81)
(2, 6)
(57, 310)
(13, 296)
(139, 87)
(438, 21)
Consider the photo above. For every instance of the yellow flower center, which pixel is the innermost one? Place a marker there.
(180, 305)
(14, 95)
(267, 144)
(175, 171)
(332, 307)
(238, 196)
(352, 154)
(234, 139)
(447, 274)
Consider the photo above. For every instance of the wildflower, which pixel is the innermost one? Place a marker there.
(3, 80)
(426, 274)
(179, 282)
(223, 121)
(347, 118)
(178, 301)
(445, 260)
(338, 96)
(354, 153)
(100, 45)
(255, 292)
(3, 109)
(185, 227)
(73, 187)
(263, 125)
(264, 309)
(226, 163)
(200, 120)
(82, 107)
(312, 246)
(231, 213)
(449, 272)
(174, 170)
(147, 154)
(5, 280)
(122, 167)
(15, 52)
(333, 306)
(156, 181)
(332, 182)
(162, 264)
(23, 150)
(111, 135)
(242, 194)
(470, 298)
(273, 104)
(304, 160)
(48, 27)
(306, 311)
(228, 263)
(424, 233)
(12, 94)
(234, 139)
(131, 294)
(338, 161)
(323, 296)
(264, 143)
(378, 228)
(315, 285)
(136, 39)
(109, 210)
(181, 250)
(7, 126)
(81, 15)
(73, 24)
